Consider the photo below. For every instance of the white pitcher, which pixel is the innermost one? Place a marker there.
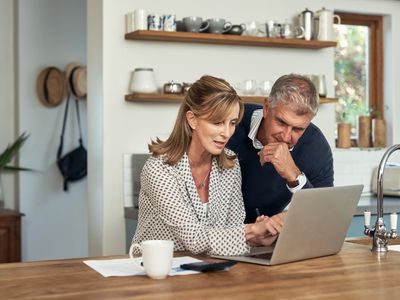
(325, 24)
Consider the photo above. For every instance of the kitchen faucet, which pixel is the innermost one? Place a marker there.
(379, 233)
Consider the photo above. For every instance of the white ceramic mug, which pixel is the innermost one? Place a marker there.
(140, 19)
(157, 257)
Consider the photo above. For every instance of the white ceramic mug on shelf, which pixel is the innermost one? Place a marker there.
(157, 257)
(140, 21)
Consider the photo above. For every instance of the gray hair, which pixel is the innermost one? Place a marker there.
(296, 89)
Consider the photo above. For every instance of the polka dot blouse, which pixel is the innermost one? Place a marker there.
(170, 208)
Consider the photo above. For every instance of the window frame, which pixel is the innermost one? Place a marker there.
(376, 59)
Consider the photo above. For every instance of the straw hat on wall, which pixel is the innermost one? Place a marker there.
(76, 78)
(51, 86)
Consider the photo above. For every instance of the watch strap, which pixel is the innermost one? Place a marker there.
(300, 180)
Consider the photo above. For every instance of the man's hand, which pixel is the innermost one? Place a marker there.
(279, 156)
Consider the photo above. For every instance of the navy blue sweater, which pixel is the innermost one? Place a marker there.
(262, 186)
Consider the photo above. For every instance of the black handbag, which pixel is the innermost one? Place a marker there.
(73, 165)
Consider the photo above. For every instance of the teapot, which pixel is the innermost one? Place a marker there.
(172, 87)
(325, 24)
(237, 29)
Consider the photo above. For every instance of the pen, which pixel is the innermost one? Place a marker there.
(258, 212)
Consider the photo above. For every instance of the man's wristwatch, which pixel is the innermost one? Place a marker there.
(299, 179)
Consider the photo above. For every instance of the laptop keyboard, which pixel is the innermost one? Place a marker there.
(262, 255)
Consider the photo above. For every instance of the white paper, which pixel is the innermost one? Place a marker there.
(131, 266)
(394, 247)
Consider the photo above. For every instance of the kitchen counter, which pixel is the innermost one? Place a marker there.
(390, 204)
(354, 273)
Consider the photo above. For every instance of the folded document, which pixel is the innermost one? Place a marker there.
(394, 247)
(131, 266)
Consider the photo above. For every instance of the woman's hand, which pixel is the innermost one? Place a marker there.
(264, 227)
(265, 230)
(265, 241)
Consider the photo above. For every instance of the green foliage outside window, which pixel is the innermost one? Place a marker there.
(351, 73)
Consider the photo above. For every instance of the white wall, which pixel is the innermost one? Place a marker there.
(95, 128)
(128, 127)
(7, 107)
(50, 32)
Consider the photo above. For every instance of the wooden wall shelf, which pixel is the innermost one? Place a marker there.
(143, 97)
(225, 39)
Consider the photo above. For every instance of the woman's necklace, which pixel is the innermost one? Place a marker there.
(203, 183)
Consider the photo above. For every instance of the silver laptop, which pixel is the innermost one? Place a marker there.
(316, 225)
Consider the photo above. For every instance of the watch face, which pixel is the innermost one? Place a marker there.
(293, 184)
(300, 180)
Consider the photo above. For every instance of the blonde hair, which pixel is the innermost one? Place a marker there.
(209, 97)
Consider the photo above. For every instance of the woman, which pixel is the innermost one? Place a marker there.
(191, 185)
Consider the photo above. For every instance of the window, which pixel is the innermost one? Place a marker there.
(358, 67)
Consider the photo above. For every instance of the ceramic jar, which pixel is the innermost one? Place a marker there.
(143, 81)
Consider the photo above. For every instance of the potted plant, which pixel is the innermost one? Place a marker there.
(5, 158)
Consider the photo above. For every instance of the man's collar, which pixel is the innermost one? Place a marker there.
(255, 122)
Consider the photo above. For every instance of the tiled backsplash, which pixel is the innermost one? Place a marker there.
(355, 166)
(133, 164)
(351, 166)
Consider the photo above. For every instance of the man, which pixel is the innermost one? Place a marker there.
(279, 149)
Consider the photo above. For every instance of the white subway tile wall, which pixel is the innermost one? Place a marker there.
(351, 166)
(132, 167)
(127, 180)
(355, 166)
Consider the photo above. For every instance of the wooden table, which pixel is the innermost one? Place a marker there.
(355, 273)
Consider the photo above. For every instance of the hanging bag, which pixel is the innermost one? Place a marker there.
(73, 165)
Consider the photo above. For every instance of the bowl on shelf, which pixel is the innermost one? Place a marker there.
(173, 88)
